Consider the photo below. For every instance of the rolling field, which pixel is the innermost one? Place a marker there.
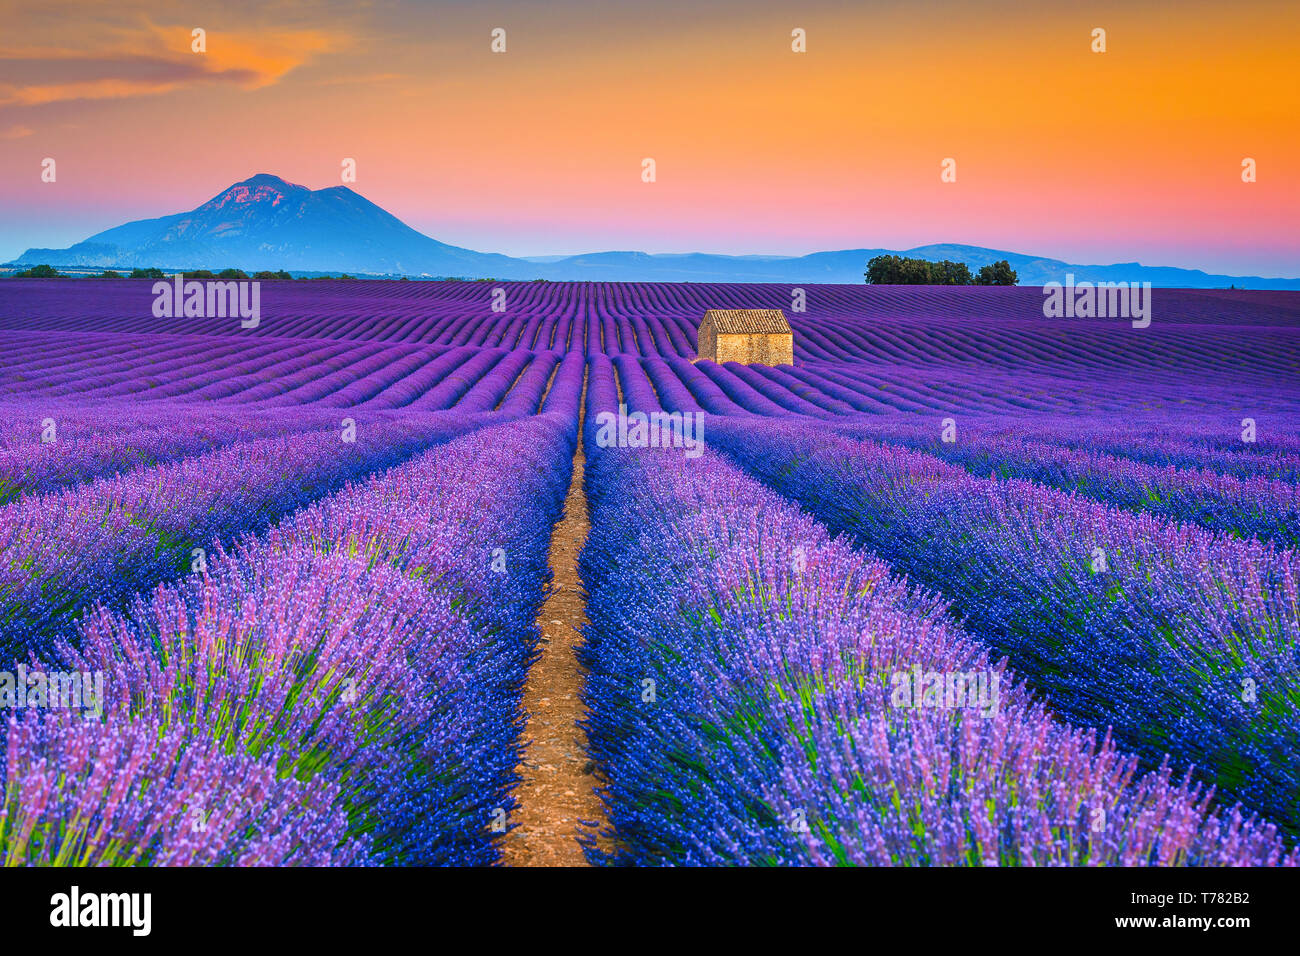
(963, 586)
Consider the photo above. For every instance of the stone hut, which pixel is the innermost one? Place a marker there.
(748, 336)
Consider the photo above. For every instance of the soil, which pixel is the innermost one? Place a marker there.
(557, 781)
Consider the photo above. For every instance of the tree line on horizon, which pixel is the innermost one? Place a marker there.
(901, 270)
(881, 270)
(46, 271)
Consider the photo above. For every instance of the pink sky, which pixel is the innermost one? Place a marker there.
(1134, 153)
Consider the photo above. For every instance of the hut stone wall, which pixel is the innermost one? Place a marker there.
(772, 348)
(748, 336)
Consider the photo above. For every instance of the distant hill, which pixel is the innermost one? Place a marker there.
(268, 223)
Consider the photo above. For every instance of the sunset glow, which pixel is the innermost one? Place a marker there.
(1134, 154)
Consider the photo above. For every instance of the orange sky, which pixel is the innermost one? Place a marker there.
(1130, 154)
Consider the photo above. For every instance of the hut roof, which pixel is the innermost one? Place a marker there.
(748, 321)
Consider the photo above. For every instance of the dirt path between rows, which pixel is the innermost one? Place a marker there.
(557, 780)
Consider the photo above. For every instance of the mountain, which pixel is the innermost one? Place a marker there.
(848, 265)
(267, 223)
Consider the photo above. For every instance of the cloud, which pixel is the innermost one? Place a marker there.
(264, 54)
(15, 132)
(143, 58)
(100, 79)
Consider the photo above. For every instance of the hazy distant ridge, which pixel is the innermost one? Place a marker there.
(267, 223)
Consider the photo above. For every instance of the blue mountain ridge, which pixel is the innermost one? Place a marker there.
(265, 222)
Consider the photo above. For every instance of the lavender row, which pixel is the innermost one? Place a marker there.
(22, 421)
(105, 539)
(339, 375)
(525, 398)
(344, 690)
(743, 708)
(1191, 441)
(1257, 507)
(1185, 641)
(994, 328)
(342, 374)
(563, 397)
(52, 455)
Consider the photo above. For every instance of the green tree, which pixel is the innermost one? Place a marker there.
(42, 271)
(1000, 273)
(885, 270)
(948, 272)
(901, 270)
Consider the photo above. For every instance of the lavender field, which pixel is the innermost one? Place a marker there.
(964, 585)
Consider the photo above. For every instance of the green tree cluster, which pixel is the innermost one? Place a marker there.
(39, 272)
(901, 270)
